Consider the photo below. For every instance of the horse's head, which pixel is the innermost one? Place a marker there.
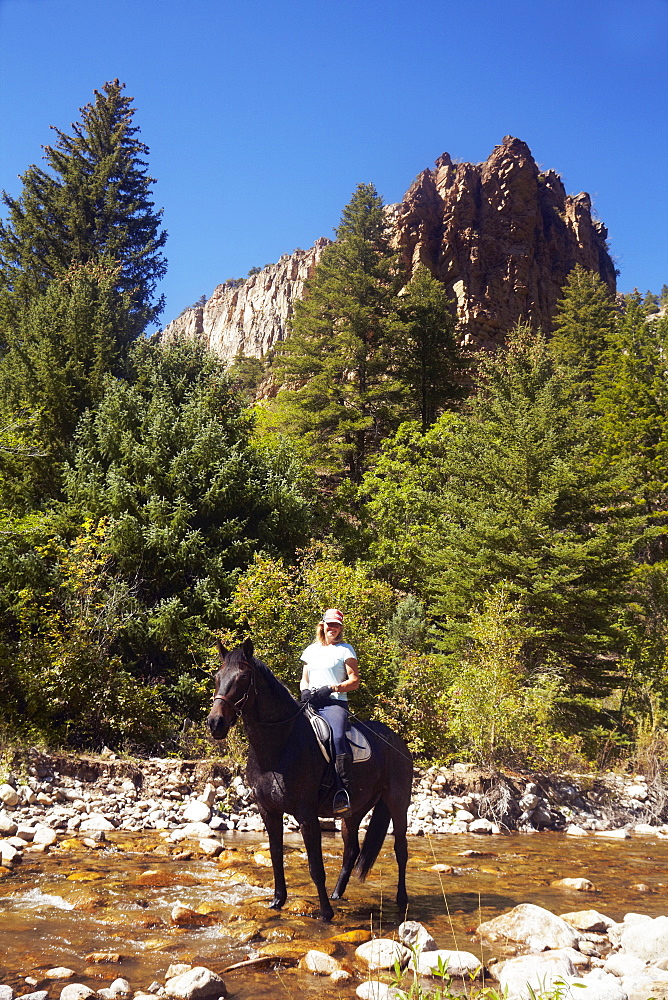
(234, 687)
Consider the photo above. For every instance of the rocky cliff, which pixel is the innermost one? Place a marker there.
(248, 316)
(501, 235)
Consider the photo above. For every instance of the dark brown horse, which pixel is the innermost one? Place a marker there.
(287, 773)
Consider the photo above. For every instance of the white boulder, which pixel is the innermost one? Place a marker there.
(382, 953)
(531, 927)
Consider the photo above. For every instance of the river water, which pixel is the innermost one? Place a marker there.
(59, 908)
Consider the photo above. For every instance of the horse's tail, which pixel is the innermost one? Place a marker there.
(373, 840)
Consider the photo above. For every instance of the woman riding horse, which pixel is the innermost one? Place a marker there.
(330, 672)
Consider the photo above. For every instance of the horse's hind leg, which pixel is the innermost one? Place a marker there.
(274, 826)
(399, 824)
(351, 849)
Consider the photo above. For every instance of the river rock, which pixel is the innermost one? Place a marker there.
(651, 982)
(416, 937)
(198, 984)
(119, 988)
(588, 920)
(59, 972)
(646, 939)
(196, 812)
(596, 985)
(177, 969)
(44, 835)
(8, 827)
(6, 993)
(212, 848)
(96, 821)
(184, 916)
(372, 989)
(9, 796)
(76, 991)
(620, 964)
(531, 927)
(456, 963)
(579, 884)
(481, 826)
(622, 834)
(573, 830)
(195, 831)
(319, 963)
(533, 974)
(8, 854)
(36, 995)
(382, 953)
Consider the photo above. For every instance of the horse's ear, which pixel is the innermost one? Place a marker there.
(222, 652)
(248, 649)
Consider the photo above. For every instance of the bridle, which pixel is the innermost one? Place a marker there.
(238, 705)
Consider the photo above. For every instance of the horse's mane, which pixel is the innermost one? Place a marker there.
(277, 688)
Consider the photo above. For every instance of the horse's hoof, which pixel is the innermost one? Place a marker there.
(276, 904)
(336, 895)
(327, 916)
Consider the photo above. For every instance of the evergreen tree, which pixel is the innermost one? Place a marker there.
(583, 322)
(505, 495)
(92, 206)
(58, 350)
(631, 397)
(340, 390)
(167, 458)
(429, 357)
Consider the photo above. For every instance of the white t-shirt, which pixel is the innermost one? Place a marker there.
(327, 665)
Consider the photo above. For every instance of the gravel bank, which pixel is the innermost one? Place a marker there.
(44, 797)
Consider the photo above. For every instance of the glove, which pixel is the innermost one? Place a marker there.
(306, 695)
(320, 696)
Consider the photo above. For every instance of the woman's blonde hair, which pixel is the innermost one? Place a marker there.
(320, 634)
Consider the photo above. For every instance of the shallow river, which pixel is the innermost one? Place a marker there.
(56, 910)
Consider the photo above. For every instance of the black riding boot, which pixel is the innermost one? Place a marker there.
(341, 804)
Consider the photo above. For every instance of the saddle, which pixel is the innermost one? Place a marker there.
(359, 744)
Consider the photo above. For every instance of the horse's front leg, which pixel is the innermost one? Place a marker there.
(273, 823)
(310, 828)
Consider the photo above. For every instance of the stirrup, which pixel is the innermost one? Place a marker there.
(341, 804)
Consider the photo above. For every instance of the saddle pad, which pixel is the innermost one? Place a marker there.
(359, 744)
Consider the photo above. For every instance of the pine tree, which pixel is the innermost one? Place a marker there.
(93, 205)
(631, 397)
(57, 353)
(429, 358)
(505, 495)
(340, 390)
(582, 323)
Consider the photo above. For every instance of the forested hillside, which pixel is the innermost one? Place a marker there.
(493, 525)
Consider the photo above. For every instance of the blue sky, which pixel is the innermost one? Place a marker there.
(263, 115)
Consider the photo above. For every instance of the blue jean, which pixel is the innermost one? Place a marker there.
(336, 714)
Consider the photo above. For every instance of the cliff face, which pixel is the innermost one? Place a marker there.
(500, 235)
(248, 317)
